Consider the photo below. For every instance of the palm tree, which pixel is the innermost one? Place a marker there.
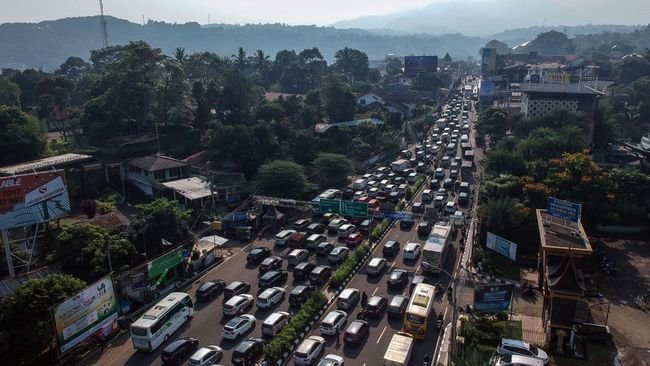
(261, 61)
(179, 55)
(240, 59)
(345, 61)
(502, 214)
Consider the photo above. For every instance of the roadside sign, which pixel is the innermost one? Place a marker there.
(564, 210)
(493, 298)
(353, 208)
(396, 215)
(330, 206)
(502, 246)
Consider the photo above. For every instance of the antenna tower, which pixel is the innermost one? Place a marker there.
(102, 22)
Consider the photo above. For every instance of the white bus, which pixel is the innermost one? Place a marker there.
(159, 322)
(416, 316)
(436, 248)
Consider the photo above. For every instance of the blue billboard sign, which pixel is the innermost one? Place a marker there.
(493, 298)
(502, 246)
(564, 210)
(487, 88)
(416, 64)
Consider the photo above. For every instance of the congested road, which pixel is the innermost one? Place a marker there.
(208, 320)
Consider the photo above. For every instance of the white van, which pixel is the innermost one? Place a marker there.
(464, 138)
(346, 230)
(451, 149)
(314, 239)
(296, 256)
(283, 236)
(412, 178)
(274, 323)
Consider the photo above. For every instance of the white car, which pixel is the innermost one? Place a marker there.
(238, 326)
(206, 356)
(376, 266)
(331, 360)
(309, 350)
(451, 207)
(237, 304)
(335, 224)
(333, 322)
(270, 297)
(411, 251)
(516, 347)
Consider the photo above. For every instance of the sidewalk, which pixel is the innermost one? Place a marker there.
(443, 355)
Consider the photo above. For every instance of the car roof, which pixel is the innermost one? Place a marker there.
(175, 344)
(374, 300)
(356, 325)
(514, 342)
(398, 300)
(376, 261)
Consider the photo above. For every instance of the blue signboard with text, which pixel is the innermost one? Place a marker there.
(492, 298)
(564, 210)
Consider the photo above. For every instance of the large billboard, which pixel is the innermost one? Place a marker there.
(82, 315)
(492, 298)
(487, 88)
(488, 61)
(416, 64)
(502, 246)
(28, 199)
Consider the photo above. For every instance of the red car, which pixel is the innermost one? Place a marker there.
(354, 240)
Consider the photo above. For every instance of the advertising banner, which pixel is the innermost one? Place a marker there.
(564, 210)
(82, 315)
(166, 261)
(28, 199)
(487, 88)
(416, 64)
(493, 298)
(502, 246)
(554, 77)
(488, 61)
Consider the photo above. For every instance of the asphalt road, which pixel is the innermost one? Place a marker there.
(208, 321)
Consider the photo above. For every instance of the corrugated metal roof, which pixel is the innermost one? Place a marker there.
(9, 285)
(45, 163)
(153, 163)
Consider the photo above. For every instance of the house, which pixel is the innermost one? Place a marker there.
(149, 172)
(377, 100)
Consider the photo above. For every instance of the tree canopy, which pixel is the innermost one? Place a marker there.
(285, 179)
(22, 137)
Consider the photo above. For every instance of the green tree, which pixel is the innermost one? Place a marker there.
(261, 61)
(352, 63)
(427, 81)
(394, 65)
(641, 97)
(158, 220)
(74, 68)
(84, 249)
(332, 170)
(506, 158)
(9, 93)
(304, 147)
(147, 209)
(22, 138)
(173, 106)
(240, 60)
(237, 99)
(340, 103)
(25, 321)
(180, 56)
(281, 178)
(494, 122)
(501, 215)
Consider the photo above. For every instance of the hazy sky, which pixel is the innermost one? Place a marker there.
(284, 11)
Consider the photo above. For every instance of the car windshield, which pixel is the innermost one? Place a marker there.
(233, 323)
(416, 319)
(534, 350)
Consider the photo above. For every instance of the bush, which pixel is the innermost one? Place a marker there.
(379, 229)
(284, 340)
(400, 206)
(502, 315)
(348, 266)
(105, 207)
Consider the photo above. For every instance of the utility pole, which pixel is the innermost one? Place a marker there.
(102, 22)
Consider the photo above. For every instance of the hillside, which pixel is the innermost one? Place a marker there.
(47, 44)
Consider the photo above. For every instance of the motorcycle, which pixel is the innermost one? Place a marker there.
(439, 321)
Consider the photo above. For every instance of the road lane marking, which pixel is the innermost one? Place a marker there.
(417, 269)
(391, 266)
(381, 335)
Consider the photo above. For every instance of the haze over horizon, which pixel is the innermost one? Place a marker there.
(297, 12)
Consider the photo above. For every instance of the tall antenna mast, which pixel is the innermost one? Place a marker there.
(102, 22)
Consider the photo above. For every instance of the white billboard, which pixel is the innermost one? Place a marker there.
(502, 246)
(82, 315)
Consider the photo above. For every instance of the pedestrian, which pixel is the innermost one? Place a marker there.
(338, 337)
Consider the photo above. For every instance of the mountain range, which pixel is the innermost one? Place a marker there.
(488, 17)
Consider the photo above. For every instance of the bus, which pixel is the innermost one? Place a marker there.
(329, 194)
(416, 317)
(161, 320)
(436, 247)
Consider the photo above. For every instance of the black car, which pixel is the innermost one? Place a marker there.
(397, 306)
(269, 264)
(324, 249)
(209, 289)
(356, 332)
(376, 306)
(320, 275)
(315, 228)
(391, 248)
(397, 278)
(179, 349)
(235, 288)
(302, 270)
(300, 294)
(273, 278)
(406, 223)
(248, 352)
(258, 254)
(424, 228)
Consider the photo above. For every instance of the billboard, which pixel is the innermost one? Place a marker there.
(28, 199)
(493, 298)
(82, 315)
(502, 246)
(416, 64)
(487, 88)
(488, 61)
(555, 77)
(564, 210)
